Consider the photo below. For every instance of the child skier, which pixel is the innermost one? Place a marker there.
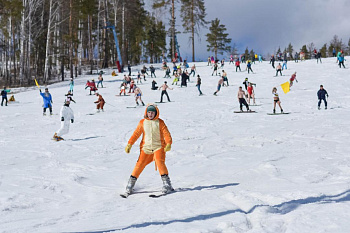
(321, 94)
(67, 117)
(164, 87)
(138, 94)
(156, 141)
(291, 80)
(241, 99)
(47, 98)
(276, 100)
(100, 102)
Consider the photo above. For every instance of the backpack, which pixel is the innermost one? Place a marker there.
(3, 92)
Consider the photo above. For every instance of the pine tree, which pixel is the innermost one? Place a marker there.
(290, 49)
(304, 50)
(323, 50)
(246, 53)
(193, 17)
(217, 38)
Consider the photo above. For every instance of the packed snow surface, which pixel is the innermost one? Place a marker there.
(234, 172)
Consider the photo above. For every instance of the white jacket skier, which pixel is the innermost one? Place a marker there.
(67, 116)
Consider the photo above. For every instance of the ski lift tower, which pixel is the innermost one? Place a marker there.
(119, 62)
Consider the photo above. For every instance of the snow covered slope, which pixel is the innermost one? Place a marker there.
(234, 172)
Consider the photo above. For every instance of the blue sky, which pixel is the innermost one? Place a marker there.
(264, 25)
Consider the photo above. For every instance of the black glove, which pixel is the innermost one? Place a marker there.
(72, 120)
(40, 90)
(62, 118)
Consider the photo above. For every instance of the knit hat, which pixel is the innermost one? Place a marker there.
(151, 108)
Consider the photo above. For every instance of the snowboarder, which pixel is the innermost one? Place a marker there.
(156, 141)
(4, 96)
(242, 99)
(251, 93)
(154, 87)
(100, 102)
(291, 80)
(209, 61)
(199, 82)
(276, 100)
(138, 78)
(272, 61)
(221, 81)
(321, 94)
(278, 69)
(67, 117)
(138, 94)
(69, 98)
(164, 87)
(319, 57)
(176, 79)
(47, 98)
(284, 66)
(122, 88)
(246, 83)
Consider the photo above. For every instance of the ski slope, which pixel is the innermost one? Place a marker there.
(234, 172)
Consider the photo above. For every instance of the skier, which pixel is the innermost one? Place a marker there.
(47, 98)
(138, 78)
(67, 117)
(174, 69)
(291, 80)
(296, 57)
(334, 52)
(224, 75)
(249, 66)
(100, 80)
(251, 93)
(278, 69)
(193, 70)
(69, 97)
(153, 70)
(319, 57)
(215, 69)
(184, 78)
(341, 60)
(199, 82)
(231, 60)
(321, 94)
(138, 94)
(238, 65)
(222, 63)
(273, 61)
(164, 87)
(156, 141)
(209, 61)
(260, 58)
(100, 102)
(284, 64)
(4, 96)
(132, 86)
(71, 85)
(221, 81)
(154, 87)
(176, 79)
(129, 68)
(241, 99)
(276, 100)
(167, 73)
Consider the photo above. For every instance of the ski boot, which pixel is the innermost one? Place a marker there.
(129, 186)
(137, 103)
(274, 111)
(281, 110)
(325, 108)
(143, 104)
(167, 188)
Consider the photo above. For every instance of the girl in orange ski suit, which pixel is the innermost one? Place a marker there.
(156, 141)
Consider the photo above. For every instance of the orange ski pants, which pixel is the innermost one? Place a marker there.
(145, 159)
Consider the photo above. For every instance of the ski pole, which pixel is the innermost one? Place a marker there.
(110, 104)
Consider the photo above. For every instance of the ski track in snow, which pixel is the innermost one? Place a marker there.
(233, 172)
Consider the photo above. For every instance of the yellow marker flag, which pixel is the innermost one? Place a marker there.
(285, 87)
(37, 83)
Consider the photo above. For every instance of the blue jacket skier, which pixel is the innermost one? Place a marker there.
(47, 98)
